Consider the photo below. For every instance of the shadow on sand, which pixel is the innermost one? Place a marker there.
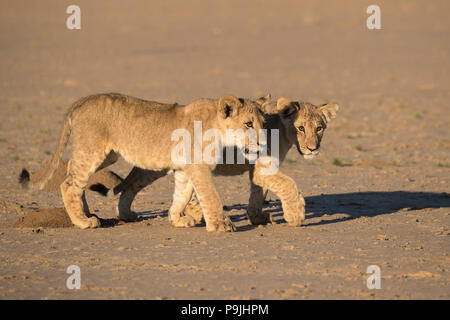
(364, 204)
(149, 215)
(353, 205)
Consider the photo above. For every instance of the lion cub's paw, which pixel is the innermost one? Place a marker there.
(89, 223)
(295, 218)
(195, 211)
(184, 222)
(295, 215)
(294, 222)
(221, 226)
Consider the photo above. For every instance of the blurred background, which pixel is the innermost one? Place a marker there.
(378, 192)
(392, 84)
(182, 50)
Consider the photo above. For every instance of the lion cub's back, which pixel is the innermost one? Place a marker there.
(116, 109)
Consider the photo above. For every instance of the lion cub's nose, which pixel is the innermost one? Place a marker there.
(312, 149)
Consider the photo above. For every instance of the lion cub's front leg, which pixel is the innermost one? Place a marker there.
(255, 204)
(285, 188)
(201, 178)
(256, 201)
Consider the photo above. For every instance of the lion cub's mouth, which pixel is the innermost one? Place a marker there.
(307, 154)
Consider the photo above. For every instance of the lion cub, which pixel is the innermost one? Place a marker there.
(299, 124)
(104, 126)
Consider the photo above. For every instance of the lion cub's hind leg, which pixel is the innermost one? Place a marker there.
(82, 166)
(181, 197)
(136, 180)
(194, 210)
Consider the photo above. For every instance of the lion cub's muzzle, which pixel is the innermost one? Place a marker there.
(307, 152)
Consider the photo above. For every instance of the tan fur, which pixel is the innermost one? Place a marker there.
(105, 126)
(286, 116)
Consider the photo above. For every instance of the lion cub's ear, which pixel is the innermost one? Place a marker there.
(329, 111)
(286, 107)
(262, 100)
(229, 106)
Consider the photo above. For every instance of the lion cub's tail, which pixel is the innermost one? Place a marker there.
(24, 177)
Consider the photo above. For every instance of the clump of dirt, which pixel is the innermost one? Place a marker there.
(46, 218)
(101, 181)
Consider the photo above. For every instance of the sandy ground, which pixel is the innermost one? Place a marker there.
(376, 195)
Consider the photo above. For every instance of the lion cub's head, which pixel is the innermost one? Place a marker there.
(242, 117)
(305, 124)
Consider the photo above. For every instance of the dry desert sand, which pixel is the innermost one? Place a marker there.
(378, 194)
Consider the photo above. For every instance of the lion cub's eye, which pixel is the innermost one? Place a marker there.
(301, 129)
(249, 124)
(319, 128)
